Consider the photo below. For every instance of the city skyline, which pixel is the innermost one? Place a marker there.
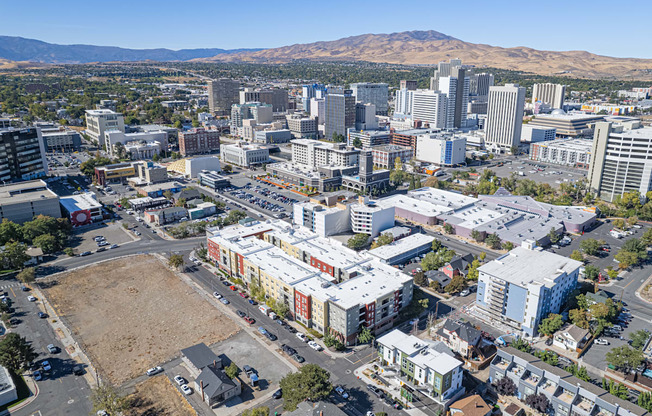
(509, 26)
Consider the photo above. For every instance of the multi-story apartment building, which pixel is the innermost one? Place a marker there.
(521, 300)
(21, 202)
(385, 155)
(620, 160)
(504, 117)
(443, 149)
(100, 121)
(429, 366)
(551, 94)
(308, 92)
(316, 153)
(222, 94)
(567, 394)
(365, 116)
(22, 154)
(322, 220)
(403, 106)
(568, 152)
(430, 107)
(369, 138)
(339, 112)
(318, 110)
(374, 93)
(198, 140)
(369, 218)
(61, 140)
(244, 155)
(261, 113)
(302, 127)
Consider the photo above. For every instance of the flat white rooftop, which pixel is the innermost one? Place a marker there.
(406, 203)
(401, 246)
(447, 199)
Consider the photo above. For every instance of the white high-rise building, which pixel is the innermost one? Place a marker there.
(404, 99)
(100, 121)
(504, 117)
(551, 94)
(318, 110)
(430, 106)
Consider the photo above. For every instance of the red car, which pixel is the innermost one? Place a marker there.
(249, 320)
(233, 288)
(244, 295)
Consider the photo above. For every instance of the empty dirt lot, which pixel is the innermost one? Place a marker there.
(132, 314)
(158, 397)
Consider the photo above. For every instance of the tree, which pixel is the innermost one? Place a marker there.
(473, 273)
(508, 246)
(493, 241)
(626, 259)
(16, 354)
(420, 279)
(365, 336)
(646, 238)
(579, 317)
(46, 242)
(639, 338)
(69, 251)
(538, 402)
(456, 285)
(554, 236)
(548, 357)
(577, 255)
(176, 261)
(383, 239)
(433, 261)
(645, 401)
(358, 241)
(310, 382)
(14, 256)
(357, 142)
(551, 324)
(476, 235)
(281, 309)
(624, 358)
(332, 342)
(590, 246)
(107, 397)
(448, 229)
(26, 276)
(619, 223)
(167, 194)
(513, 150)
(505, 386)
(257, 411)
(398, 163)
(232, 371)
(579, 372)
(10, 231)
(436, 245)
(617, 389)
(482, 256)
(397, 177)
(227, 168)
(522, 345)
(591, 272)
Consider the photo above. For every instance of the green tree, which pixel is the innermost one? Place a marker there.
(493, 241)
(357, 143)
(448, 229)
(281, 309)
(591, 272)
(646, 238)
(577, 255)
(508, 245)
(624, 358)
(554, 236)
(69, 251)
(397, 177)
(522, 345)
(626, 259)
(16, 354)
(108, 398)
(14, 256)
(332, 342)
(482, 256)
(476, 235)
(551, 324)
(420, 279)
(232, 371)
(175, 261)
(590, 246)
(46, 242)
(383, 239)
(365, 336)
(433, 261)
(579, 317)
(310, 382)
(579, 372)
(639, 338)
(26, 275)
(227, 168)
(436, 245)
(473, 273)
(645, 401)
(88, 167)
(257, 411)
(10, 231)
(358, 241)
(456, 285)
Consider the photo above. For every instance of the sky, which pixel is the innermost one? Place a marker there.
(598, 26)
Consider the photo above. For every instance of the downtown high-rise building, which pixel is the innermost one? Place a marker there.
(339, 112)
(443, 70)
(403, 104)
(504, 117)
(222, 94)
(429, 106)
(479, 84)
(456, 88)
(22, 154)
(276, 97)
(308, 92)
(548, 93)
(374, 93)
(408, 84)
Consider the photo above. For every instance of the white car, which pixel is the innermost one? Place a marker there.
(46, 366)
(186, 389)
(31, 298)
(154, 370)
(315, 346)
(217, 295)
(180, 380)
(601, 341)
(302, 337)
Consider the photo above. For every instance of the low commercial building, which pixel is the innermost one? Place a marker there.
(191, 167)
(149, 173)
(567, 125)
(165, 215)
(272, 136)
(212, 179)
(323, 179)
(522, 300)
(534, 134)
(566, 152)
(302, 127)
(210, 380)
(82, 209)
(244, 155)
(140, 204)
(159, 189)
(403, 250)
(8, 391)
(567, 394)
(427, 366)
(385, 156)
(369, 138)
(409, 137)
(202, 210)
(21, 202)
(115, 173)
(61, 140)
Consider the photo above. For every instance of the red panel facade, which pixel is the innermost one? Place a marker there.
(324, 267)
(302, 305)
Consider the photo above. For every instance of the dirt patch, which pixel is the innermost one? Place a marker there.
(132, 314)
(158, 397)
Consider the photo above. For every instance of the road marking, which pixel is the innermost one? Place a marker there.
(12, 291)
(631, 281)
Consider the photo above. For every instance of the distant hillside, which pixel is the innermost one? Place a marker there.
(20, 49)
(430, 47)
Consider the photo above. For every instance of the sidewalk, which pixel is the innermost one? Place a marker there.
(643, 286)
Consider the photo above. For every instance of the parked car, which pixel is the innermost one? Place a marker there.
(46, 365)
(226, 283)
(302, 336)
(78, 370)
(248, 370)
(52, 349)
(244, 295)
(38, 376)
(113, 246)
(24, 288)
(186, 389)
(217, 295)
(42, 315)
(31, 298)
(339, 390)
(224, 301)
(240, 313)
(179, 380)
(601, 341)
(315, 346)
(288, 350)
(253, 302)
(271, 336)
(277, 394)
(249, 320)
(154, 371)
(298, 358)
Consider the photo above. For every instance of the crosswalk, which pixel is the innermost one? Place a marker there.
(8, 285)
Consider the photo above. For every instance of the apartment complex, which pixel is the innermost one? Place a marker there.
(316, 153)
(521, 300)
(567, 152)
(22, 154)
(442, 149)
(428, 366)
(456, 88)
(374, 93)
(100, 121)
(567, 394)
(222, 94)
(21, 202)
(261, 113)
(326, 286)
(369, 218)
(551, 94)
(198, 140)
(504, 117)
(620, 160)
(308, 92)
(430, 107)
(244, 155)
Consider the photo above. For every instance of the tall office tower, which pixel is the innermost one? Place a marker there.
(479, 84)
(365, 116)
(22, 154)
(99, 121)
(504, 117)
(551, 94)
(339, 112)
(260, 112)
(408, 84)
(318, 110)
(456, 88)
(308, 92)
(621, 160)
(374, 93)
(404, 98)
(443, 70)
(429, 106)
(276, 97)
(222, 94)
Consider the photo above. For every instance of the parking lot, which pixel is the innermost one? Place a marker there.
(113, 233)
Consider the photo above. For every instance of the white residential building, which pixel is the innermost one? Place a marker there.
(443, 149)
(100, 121)
(404, 99)
(318, 110)
(430, 106)
(534, 134)
(369, 218)
(316, 153)
(504, 117)
(551, 94)
(521, 300)
(245, 155)
(568, 152)
(323, 220)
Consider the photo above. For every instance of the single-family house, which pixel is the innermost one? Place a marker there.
(198, 357)
(470, 406)
(460, 337)
(571, 337)
(215, 387)
(599, 297)
(458, 265)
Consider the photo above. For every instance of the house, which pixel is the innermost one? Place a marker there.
(571, 337)
(458, 265)
(215, 386)
(165, 215)
(307, 408)
(470, 406)
(599, 297)
(187, 194)
(35, 256)
(460, 337)
(198, 357)
(437, 276)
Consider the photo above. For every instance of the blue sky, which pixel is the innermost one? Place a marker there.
(598, 26)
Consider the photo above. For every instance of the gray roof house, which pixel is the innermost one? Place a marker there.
(198, 357)
(215, 386)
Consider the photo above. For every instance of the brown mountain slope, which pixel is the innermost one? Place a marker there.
(430, 47)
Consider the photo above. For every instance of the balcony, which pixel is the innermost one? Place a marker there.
(501, 364)
(517, 370)
(598, 411)
(548, 386)
(584, 404)
(532, 379)
(565, 396)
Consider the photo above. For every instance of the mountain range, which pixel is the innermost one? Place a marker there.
(413, 47)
